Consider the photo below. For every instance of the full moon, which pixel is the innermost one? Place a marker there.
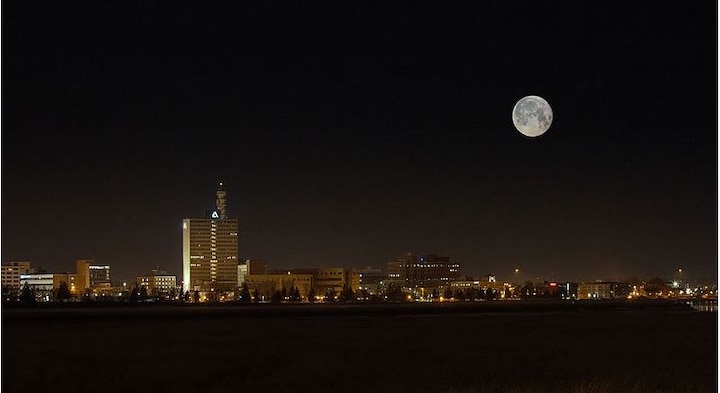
(532, 116)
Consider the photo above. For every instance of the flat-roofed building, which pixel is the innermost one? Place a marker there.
(82, 267)
(242, 272)
(603, 290)
(327, 279)
(45, 284)
(11, 272)
(256, 266)
(42, 283)
(159, 283)
(267, 284)
(371, 279)
(425, 272)
(76, 282)
(99, 276)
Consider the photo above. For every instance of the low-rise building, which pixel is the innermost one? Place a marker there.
(159, 283)
(45, 285)
(603, 290)
(267, 284)
(11, 272)
(371, 279)
(423, 273)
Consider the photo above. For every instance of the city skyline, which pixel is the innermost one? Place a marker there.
(348, 136)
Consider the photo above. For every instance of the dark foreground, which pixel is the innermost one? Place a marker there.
(430, 348)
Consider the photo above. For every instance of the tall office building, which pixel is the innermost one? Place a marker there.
(210, 249)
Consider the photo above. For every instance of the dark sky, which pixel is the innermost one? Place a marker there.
(349, 133)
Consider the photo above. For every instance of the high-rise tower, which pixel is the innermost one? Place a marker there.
(220, 204)
(210, 249)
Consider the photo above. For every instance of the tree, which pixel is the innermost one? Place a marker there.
(655, 286)
(470, 294)
(9, 294)
(135, 294)
(196, 297)
(295, 295)
(88, 297)
(364, 294)
(245, 293)
(277, 297)
(143, 292)
(63, 292)
(27, 294)
(329, 295)
(347, 293)
(459, 295)
(186, 297)
(528, 289)
(448, 294)
(394, 293)
(284, 293)
(435, 294)
(311, 295)
(256, 295)
(489, 294)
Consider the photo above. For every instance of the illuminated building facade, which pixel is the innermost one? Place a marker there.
(424, 272)
(242, 271)
(210, 250)
(46, 283)
(43, 284)
(371, 279)
(327, 279)
(603, 290)
(82, 267)
(95, 277)
(267, 284)
(99, 275)
(159, 283)
(11, 272)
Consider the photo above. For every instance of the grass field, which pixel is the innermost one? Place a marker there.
(359, 349)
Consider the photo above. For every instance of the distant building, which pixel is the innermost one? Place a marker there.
(210, 249)
(11, 272)
(603, 290)
(256, 266)
(267, 284)
(423, 273)
(569, 290)
(326, 279)
(242, 271)
(159, 283)
(488, 282)
(95, 277)
(76, 282)
(82, 267)
(45, 284)
(371, 279)
(99, 276)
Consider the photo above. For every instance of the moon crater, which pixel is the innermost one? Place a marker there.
(532, 116)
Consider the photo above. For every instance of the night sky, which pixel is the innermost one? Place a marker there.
(349, 133)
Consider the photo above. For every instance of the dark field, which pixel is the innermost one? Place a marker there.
(329, 348)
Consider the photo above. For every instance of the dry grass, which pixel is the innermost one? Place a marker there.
(193, 350)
